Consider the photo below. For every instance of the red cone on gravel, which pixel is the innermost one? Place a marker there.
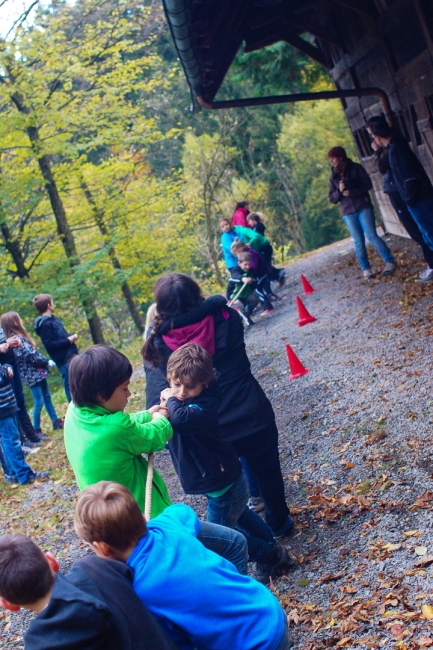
(296, 367)
(304, 316)
(306, 286)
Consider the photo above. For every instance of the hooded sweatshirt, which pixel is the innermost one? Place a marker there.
(105, 446)
(55, 339)
(246, 235)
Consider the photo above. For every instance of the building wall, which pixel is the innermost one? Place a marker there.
(394, 53)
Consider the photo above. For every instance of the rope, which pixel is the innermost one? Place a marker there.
(149, 479)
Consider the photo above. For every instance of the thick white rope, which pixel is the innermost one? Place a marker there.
(149, 479)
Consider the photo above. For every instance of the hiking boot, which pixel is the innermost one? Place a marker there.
(35, 476)
(41, 435)
(426, 276)
(279, 560)
(12, 480)
(367, 274)
(250, 320)
(389, 268)
(265, 312)
(58, 424)
(256, 504)
(286, 530)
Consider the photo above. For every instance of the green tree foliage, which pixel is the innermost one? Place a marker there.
(307, 134)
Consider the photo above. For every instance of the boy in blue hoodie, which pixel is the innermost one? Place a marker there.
(197, 596)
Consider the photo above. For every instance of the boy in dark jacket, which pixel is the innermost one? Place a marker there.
(250, 295)
(58, 343)
(92, 607)
(17, 470)
(205, 463)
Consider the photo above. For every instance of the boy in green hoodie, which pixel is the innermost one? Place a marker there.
(104, 443)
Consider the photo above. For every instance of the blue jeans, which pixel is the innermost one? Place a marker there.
(423, 215)
(16, 466)
(231, 509)
(360, 225)
(41, 395)
(64, 373)
(252, 481)
(226, 542)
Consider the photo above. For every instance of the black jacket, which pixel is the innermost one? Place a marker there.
(358, 182)
(203, 461)
(8, 403)
(55, 339)
(409, 175)
(382, 163)
(94, 607)
(244, 408)
(235, 283)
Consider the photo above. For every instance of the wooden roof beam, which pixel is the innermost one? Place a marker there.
(365, 8)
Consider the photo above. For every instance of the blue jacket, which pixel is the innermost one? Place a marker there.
(198, 596)
(227, 239)
(203, 462)
(55, 339)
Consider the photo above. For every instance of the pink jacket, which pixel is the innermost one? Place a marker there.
(239, 218)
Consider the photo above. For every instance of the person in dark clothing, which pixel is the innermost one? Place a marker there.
(251, 294)
(349, 185)
(259, 269)
(411, 181)
(208, 465)
(245, 414)
(28, 435)
(58, 343)
(92, 607)
(255, 222)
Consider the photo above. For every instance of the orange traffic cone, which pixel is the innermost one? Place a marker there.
(304, 316)
(306, 286)
(296, 367)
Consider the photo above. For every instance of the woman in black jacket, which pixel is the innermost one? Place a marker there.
(349, 185)
(246, 417)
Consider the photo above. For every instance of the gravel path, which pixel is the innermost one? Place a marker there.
(355, 452)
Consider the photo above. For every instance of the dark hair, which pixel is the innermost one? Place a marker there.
(379, 126)
(42, 301)
(337, 152)
(175, 294)
(95, 374)
(224, 219)
(245, 257)
(241, 204)
(107, 512)
(25, 575)
(190, 364)
(255, 216)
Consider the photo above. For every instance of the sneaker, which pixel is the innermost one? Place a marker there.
(282, 278)
(41, 435)
(279, 561)
(389, 268)
(367, 274)
(256, 504)
(426, 276)
(265, 312)
(34, 476)
(285, 530)
(58, 424)
(250, 321)
(26, 450)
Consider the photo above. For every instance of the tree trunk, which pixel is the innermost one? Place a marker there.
(126, 291)
(58, 208)
(212, 249)
(14, 249)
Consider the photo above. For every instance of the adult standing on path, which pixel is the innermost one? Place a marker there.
(246, 417)
(400, 207)
(410, 177)
(349, 185)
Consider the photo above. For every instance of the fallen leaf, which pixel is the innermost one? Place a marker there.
(425, 641)
(397, 630)
(391, 547)
(331, 623)
(412, 533)
(427, 611)
(423, 561)
(303, 582)
(421, 550)
(344, 642)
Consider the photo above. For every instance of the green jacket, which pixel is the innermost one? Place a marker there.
(251, 237)
(104, 446)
